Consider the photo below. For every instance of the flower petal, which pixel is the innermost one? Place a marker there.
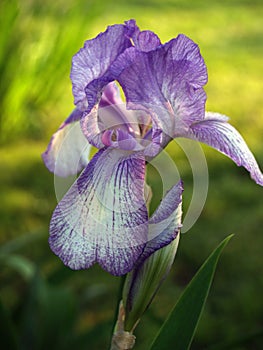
(110, 114)
(151, 269)
(215, 131)
(68, 150)
(167, 82)
(146, 40)
(111, 96)
(94, 59)
(165, 223)
(103, 217)
(121, 140)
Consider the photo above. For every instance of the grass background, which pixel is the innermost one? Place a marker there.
(44, 304)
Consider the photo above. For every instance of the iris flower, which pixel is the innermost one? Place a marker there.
(103, 217)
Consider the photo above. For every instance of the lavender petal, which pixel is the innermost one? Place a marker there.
(103, 217)
(215, 131)
(94, 59)
(167, 82)
(165, 223)
(110, 114)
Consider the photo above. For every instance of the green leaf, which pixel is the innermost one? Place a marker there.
(178, 330)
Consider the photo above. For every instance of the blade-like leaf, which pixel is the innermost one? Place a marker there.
(178, 330)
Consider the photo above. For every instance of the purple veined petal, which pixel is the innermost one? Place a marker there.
(215, 131)
(94, 59)
(92, 128)
(165, 223)
(111, 114)
(68, 150)
(103, 217)
(151, 269)
(167, 82)
(143, 41)
(146, 40)
(189, 61)
(153, 142)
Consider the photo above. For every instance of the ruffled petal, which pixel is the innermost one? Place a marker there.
(68, 150)
(103, 217)
(146, 40)
(215, 131)
(165, 223)
(167, 82)
(94, 59)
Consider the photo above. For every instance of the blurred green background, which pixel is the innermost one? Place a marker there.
(46, 305)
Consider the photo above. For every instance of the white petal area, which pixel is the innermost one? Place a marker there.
(103, 217)
(68, 150)
(216, 132)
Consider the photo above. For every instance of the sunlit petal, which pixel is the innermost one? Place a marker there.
(93, 61)
(68, 150)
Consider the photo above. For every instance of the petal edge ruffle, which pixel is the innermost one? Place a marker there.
(93, 61)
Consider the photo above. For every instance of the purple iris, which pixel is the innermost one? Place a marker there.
(103, 218)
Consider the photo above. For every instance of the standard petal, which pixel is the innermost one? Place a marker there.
(111, 96)
(111, 113)
(215, 131)
(94, 59)
(68, 150)
(103, 217)
(146, 40)
(167, 82)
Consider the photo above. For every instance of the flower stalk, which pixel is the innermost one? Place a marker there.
(121, 339)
